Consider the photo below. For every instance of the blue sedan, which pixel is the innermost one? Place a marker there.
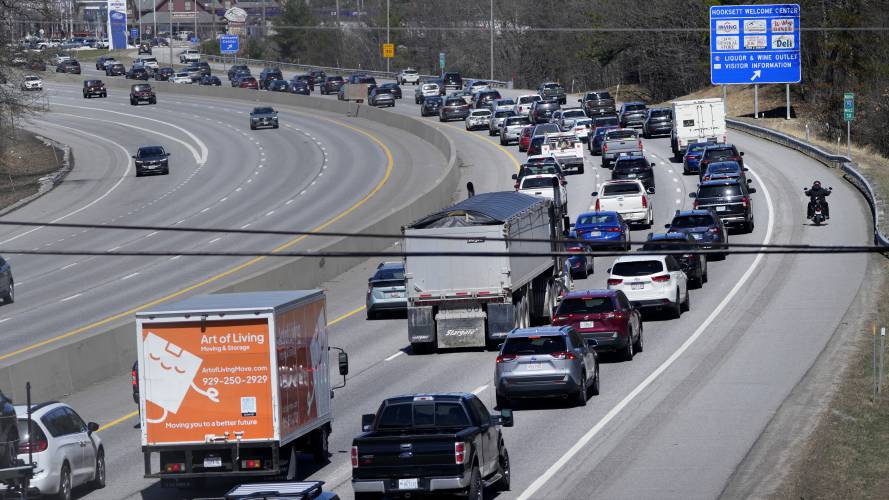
(579, 264)
(603, 230)
(691, 162)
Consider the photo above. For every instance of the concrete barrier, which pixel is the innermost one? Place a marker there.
(861, 180)
(80, 360)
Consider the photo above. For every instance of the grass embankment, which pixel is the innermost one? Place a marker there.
(22, 164)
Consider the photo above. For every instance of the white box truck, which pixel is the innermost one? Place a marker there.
(471, 301)
(699, 120)
(234, 385)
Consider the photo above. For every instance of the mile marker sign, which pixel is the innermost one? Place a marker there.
(752, 44)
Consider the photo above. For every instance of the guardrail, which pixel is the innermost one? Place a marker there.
(860, 180)
(389, 75)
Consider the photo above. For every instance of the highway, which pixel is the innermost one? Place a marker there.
(673, 423)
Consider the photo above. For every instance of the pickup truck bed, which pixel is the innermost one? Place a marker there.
(618, 142)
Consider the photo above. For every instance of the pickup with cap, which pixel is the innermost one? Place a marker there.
(419, 443)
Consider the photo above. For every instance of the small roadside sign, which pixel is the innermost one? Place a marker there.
(134, 33)
(229, 44)
(388, 50)
(441, 60)
(848, 106)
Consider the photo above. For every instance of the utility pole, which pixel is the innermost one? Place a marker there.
(491, 27)
(262, 29)
(139, 14)
(387, 33)
(170, 12)
(154, 17)
(213, 11)
(195, 10)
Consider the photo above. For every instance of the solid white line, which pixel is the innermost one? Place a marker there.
(390, 358)
(585, 440)
(129, 276)
(66, 299)
(214, 240)
(480, 389)
(289, 202)
(100, 198)
(271, 212)
(4, 320)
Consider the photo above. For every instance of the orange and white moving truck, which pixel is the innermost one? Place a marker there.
(234, 385)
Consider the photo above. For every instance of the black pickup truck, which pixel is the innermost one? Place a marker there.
(430, 443)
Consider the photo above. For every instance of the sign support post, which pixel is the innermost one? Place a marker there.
(756, 101)
(788, 101)
(848, 116)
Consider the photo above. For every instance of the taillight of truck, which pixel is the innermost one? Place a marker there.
(354, 457)
(459, 453)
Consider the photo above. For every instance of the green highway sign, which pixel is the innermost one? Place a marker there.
(848, 106)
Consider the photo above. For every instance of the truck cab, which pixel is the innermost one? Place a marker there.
(422, 443)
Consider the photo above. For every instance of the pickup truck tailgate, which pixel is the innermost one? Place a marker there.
(407, 455)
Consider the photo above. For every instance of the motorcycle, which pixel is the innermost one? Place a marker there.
(817, 209)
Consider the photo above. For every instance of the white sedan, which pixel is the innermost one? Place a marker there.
(181, 78)
(651, 281)
(32, 82)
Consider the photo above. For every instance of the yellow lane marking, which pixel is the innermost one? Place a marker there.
(389, 167)
(136, 413)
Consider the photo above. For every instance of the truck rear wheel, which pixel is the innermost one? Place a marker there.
(422, 347)
(320, 445)
(476, 488)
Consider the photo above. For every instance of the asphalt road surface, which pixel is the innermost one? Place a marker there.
(672, 423)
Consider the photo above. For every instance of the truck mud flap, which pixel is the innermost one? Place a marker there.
(420, 325)
(501, 320)
(460, 328)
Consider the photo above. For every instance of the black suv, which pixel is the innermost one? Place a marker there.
(7, 285)
(268, 75)
(137, 73)
(635, 167)
(719, 152)
(152, 160)
(483, 98)
(431, 105)
(116, 69)
(729, 199)
(331, 85)
(703, 226)
(693, 264)
(658, 121)
(9, 431)
(70, 66)
(237, 68)
(632, 114)
(164, 74)
(542, 111)
(450, 81)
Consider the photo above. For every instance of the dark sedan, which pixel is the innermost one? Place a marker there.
(635, 167)
(658, 121)
(393, 88)
(431, 105)
(278, 86)
(70, 66)
(164, 74)
(211, 80)
(138, 73)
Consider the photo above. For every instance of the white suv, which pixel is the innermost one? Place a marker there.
(32, 82)
(541, 186)
(651, 281)
(66, 451)
(189, 55)
(408, 75)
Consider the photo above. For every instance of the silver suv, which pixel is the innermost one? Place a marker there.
(385, 289)
(66, 450)
(548, 361)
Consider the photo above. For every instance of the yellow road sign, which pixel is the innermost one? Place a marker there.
(388, 50)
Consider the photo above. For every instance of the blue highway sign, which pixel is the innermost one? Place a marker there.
(229, 44)
(752, 44)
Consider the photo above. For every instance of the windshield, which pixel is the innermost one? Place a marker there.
(605, 122)
(263, 111)
(634, 107)
(667, 244)
(528, 98)
(481, 112)
(594, 305)
(395, 273)
(584, 220)
(719, 154)
(622, 188)
(455, 102)
(151, 151)
(661, 113)
(573, 113)
(620, 134)
(140, 88)
(552, 86)
(598, 95)
(696, 147)
(719, 191)
(546, 128)
(692, 221)
(631, 165)
(724, 167)
(541, 169)
(503, 114)
(34, 78)
(637, 268)
(529, 346)
(517, 120)
(424, 414)
(537, 182)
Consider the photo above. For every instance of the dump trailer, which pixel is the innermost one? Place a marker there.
(699, 120)
(469, 301)
(234, 385)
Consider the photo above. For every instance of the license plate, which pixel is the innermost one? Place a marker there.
(595, 233)
(408, 484)
(587, 324)
(637, 286)
(721, 209)
(697, 236)
(535, 366)
(394, 294)
(631, 176)
(213, 462)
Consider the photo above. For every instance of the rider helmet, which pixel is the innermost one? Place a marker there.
(816, 185)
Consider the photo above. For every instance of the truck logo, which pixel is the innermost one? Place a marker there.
(460, 332)
(171, 371)
(479, 240)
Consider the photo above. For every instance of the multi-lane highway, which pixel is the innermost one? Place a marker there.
(673, 423)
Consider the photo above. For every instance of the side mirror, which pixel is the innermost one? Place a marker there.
(746, 169)
(692, 195)
(595, 193)
(343, 359)
(134, 156)
(751, 190)
(505, 417)
(515, 176)
(749, 181)
(580, 100)
(666, 226)
(592, 343)
(650, 190)
(92, 427)
(167, 154)
(367, 422)
(652, 164)
(608, 270)
(741, 153)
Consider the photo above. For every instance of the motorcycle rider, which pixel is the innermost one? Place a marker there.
(818, 194)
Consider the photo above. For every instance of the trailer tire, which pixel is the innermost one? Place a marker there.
(423, 347)
(321, 445)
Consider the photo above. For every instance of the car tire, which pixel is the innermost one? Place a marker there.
(138, 173)
(9, 298)
(581, 398)
(476, 489)
(594, 388)
(639, 344)
(132, 102)
(502, 142)
(423, 347)
(503, 402)
(371, 315)
(98, 481)
(503, 467)
(153, 100)
(627, 353)
(64, 483)
(676, 307)
(705, 276)
(686, 304)
(749, 226)
(252, 127)
(166, 171)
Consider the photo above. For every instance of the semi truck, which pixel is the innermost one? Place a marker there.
(699, 120)
(234, 385)
(468, 301)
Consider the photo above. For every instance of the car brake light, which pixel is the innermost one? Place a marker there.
(613, 229)
(251, 464)
(640, 143)
(39, 445)
(615, 281)
(134, 377)
(713, 230)
(459, 453)
(695, 204)
(605, 147)
(746, 202)
(178, 467)
(516, 186)
(661, 279)
(644, 201)
(354, 456)
(563, 355)
(597, 205)
(506, 357)
(706, 178)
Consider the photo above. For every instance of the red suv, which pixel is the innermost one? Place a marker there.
(606, 316)
(525, 138)
(249, 83)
